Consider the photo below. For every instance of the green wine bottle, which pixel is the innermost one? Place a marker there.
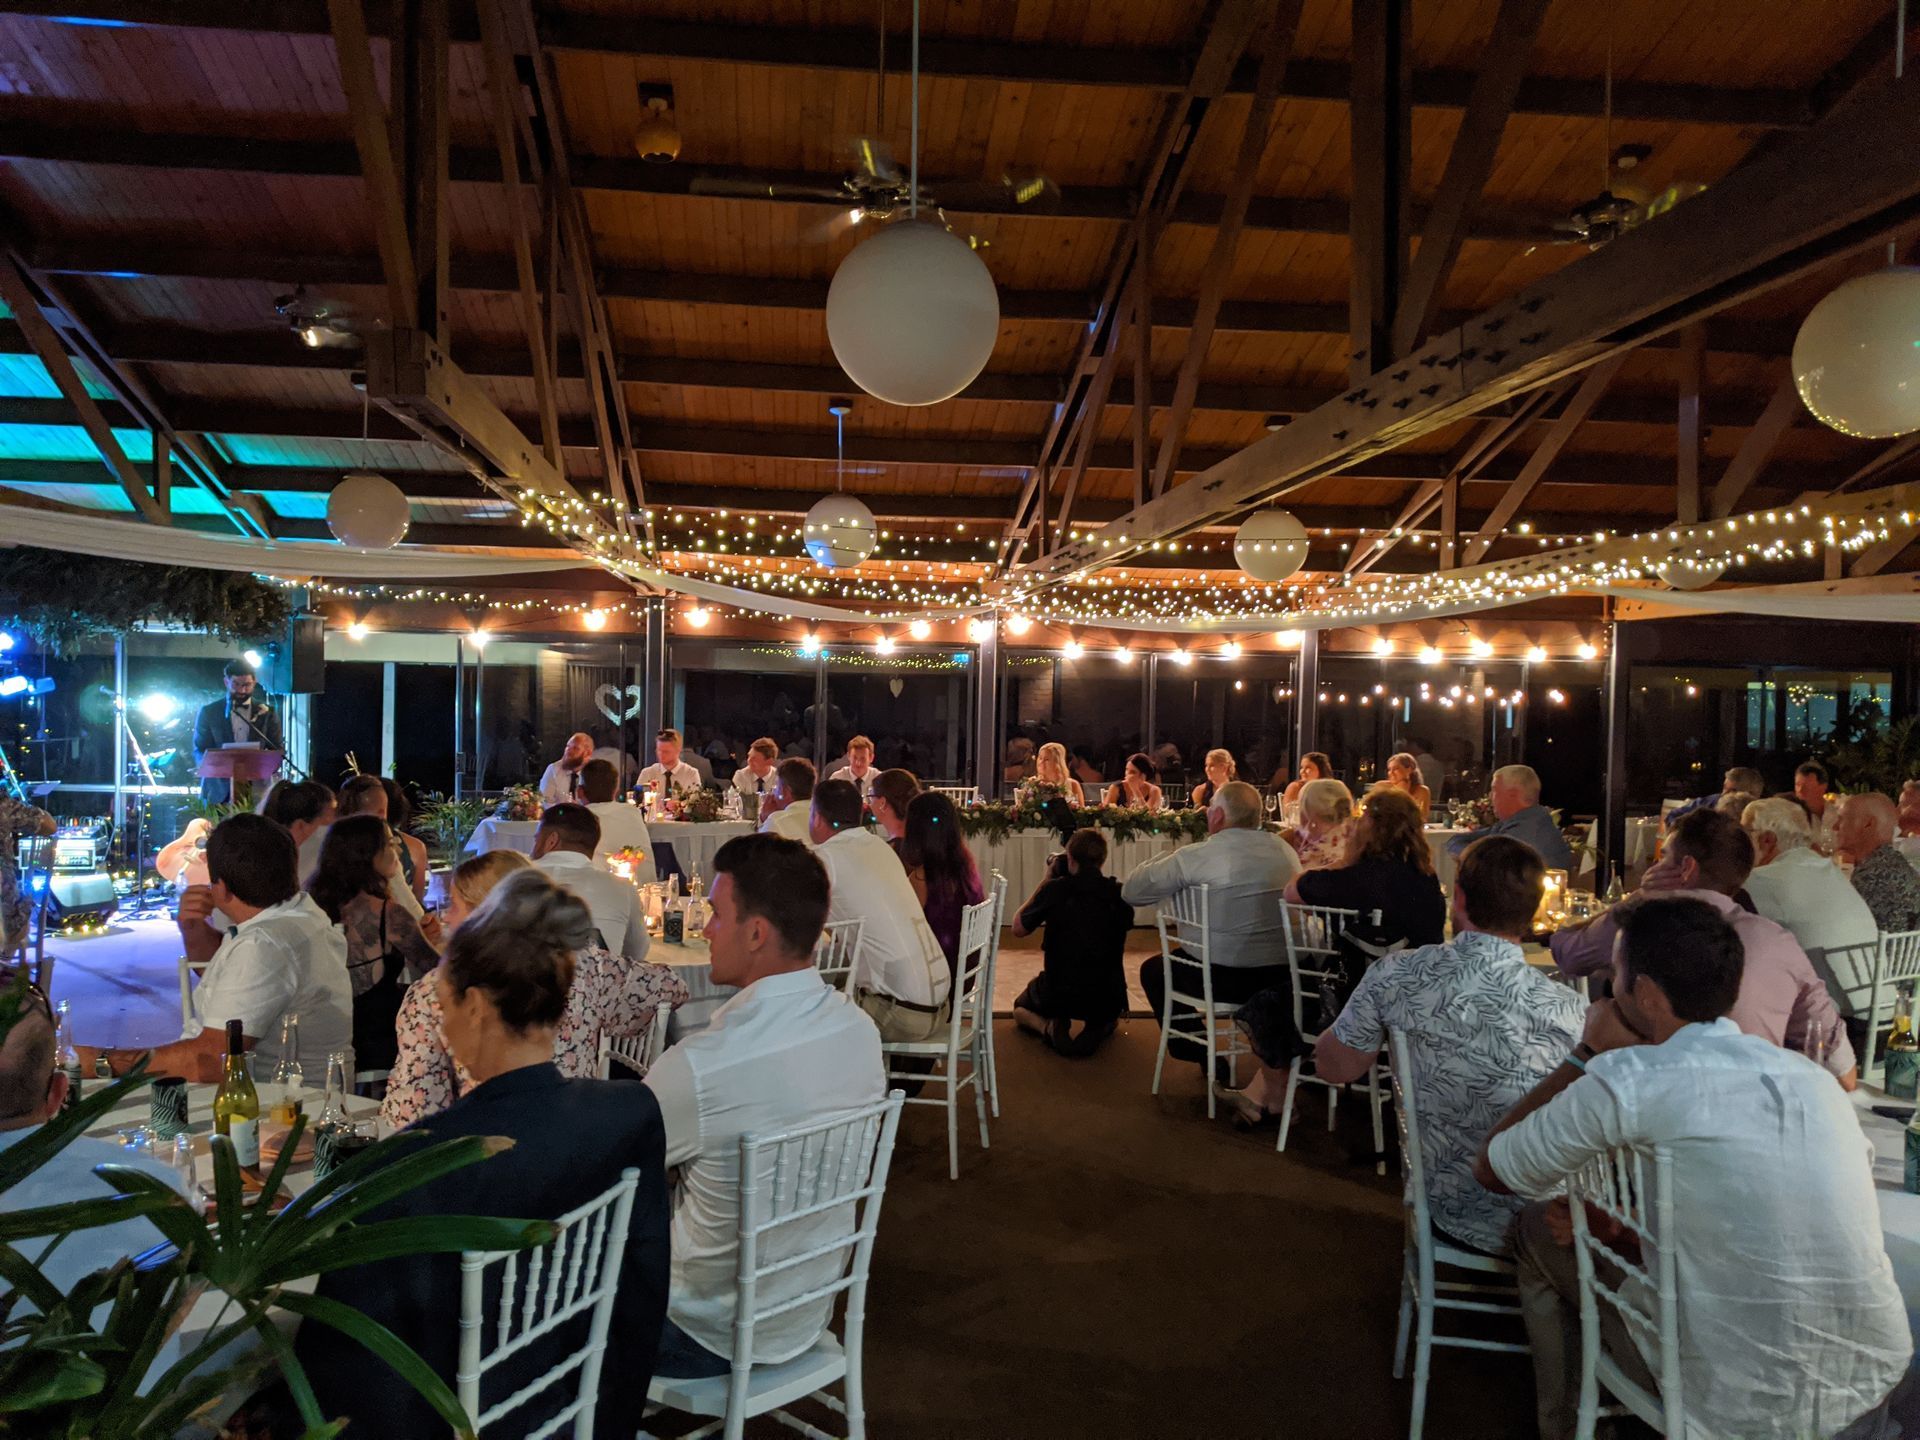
(236, 1104)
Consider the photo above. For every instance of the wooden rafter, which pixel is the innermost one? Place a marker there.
(1503, 65)
(1842, 187)
(376, 161)
(18, 293)
(1381, 133)
(1276, 46)
(1690, 368)
(1593, 385)
(1757, 448)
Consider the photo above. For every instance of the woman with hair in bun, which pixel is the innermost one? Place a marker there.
(504, 986)
(609, 995)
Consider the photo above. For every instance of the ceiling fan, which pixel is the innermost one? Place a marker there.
(319, 323)
(874, 189)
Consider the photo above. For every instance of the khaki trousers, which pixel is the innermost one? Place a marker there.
(897, 1023)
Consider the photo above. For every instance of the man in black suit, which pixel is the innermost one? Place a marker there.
(572, 1138)
(243, 716)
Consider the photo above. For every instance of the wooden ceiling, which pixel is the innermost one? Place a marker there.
(169, 167)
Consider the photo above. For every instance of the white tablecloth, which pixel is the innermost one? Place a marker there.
(692, 963)
(694, 845)
(1022, 858)
(1643, 833)
(492, 834)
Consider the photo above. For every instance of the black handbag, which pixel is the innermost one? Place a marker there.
(1356, 948)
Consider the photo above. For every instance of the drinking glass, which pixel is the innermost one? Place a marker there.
(1814, 1047)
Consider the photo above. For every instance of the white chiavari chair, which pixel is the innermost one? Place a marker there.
(540, 1292)
(1896, 957)
(837, 949)
(1422, 1293)
(809, 1203)
(1312, 934)
(961, 1038)
(1186, 945)
(639, 1052)
(1633, 1188)
(959, 794)
(996, 892)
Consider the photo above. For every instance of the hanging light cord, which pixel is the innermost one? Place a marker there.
(1899, 74)
(840, 453)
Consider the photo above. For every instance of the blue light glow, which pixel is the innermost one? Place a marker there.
(14, 685)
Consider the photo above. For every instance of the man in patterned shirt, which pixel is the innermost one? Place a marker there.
(1483, 1026)
(1884, 877)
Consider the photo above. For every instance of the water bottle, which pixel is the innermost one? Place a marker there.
(696, 889)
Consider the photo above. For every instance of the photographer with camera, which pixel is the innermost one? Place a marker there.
(1086, 925)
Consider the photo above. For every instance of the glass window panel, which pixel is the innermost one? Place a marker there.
(913, 705)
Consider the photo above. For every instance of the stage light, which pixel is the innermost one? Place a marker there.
(1536, 653)
(1018, 625)
(158, 707)
(920, 630)
(1073, 650)
(1588, 652)
(357, 630)
(14, 685)
(1430, 656)
(809, 644)
(698, 617)
(594, 619)
(884, 645)
(6, 642)
(1230, 650)
(478, 639)
(252, 657)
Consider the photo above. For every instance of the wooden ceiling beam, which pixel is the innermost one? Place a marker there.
(81, 144)
(1757, 448)
(1844, 186)
(1380, 158)
(847, 50)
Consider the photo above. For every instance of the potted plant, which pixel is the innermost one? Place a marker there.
(447, 824)
(77, 1363)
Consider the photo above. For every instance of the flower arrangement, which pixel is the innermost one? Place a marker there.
(994, 820)
(521, 802)
(627, 860)
(701, 806)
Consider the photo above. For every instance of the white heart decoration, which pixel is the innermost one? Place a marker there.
(607, 700)
(895, 687)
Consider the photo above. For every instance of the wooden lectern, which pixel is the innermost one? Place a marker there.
(240, 766)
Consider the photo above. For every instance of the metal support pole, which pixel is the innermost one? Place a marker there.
(986, 712)
(386, 717)
(479, 717)
(459, 717)
(1615, 696)
(1306, 695)
(119, 736)
(653, 684)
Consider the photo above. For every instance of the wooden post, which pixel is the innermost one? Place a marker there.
(1690, 363)
(1382, 136)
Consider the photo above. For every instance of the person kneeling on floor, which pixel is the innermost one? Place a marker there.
(1086, 924)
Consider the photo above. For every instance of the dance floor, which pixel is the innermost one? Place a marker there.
(1115, 1265)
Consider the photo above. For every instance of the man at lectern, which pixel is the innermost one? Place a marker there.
(244, 717)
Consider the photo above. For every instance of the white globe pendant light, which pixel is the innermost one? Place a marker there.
(1856, 360)
(912, 314)
(1684, 575)
(1271, 545)
(840, 530)
(368, 512)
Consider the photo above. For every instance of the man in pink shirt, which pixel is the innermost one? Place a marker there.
(1782, 999)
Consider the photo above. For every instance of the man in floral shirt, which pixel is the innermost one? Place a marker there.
(1884, 877)
(18, 821)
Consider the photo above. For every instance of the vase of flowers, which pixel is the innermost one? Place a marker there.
(521, 802)
(702, 806)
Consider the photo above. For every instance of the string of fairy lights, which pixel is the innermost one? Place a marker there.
(717, 546)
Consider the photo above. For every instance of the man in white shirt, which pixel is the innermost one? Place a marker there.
(790, 802)
(622, 826)
(32, 1090)
(563, 846)
(1801, 890)
(859, 767)
(785, 1051)
(1791, 1324)
(754, 780)
(1810, 783)
(900, 975)
(560, 781)
(1246, 872)
(282, 955)
(669, 774)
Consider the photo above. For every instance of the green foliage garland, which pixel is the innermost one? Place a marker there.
(994, 820)
(65, 600)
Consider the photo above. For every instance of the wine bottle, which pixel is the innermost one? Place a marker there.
(236, 1104)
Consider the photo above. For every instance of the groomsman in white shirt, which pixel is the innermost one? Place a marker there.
(789, 803)
(669, 774)
(859, 767)
(560, 781)
(754, 780)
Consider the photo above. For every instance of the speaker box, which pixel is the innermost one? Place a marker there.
(296, 664)
(80, 895)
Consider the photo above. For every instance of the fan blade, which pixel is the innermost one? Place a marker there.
(1034, 196)
(875, 158)
(764, 190)
(830, 229)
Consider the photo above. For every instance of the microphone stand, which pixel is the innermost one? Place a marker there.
(281, 745)
(140, 905)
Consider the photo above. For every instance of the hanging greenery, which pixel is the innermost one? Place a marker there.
(994, 820)
(64, 600)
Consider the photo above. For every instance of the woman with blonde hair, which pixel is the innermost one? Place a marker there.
(1326, 822)
(1220, 769)
(1403, 773)
(1050, 770)
(608, 995)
